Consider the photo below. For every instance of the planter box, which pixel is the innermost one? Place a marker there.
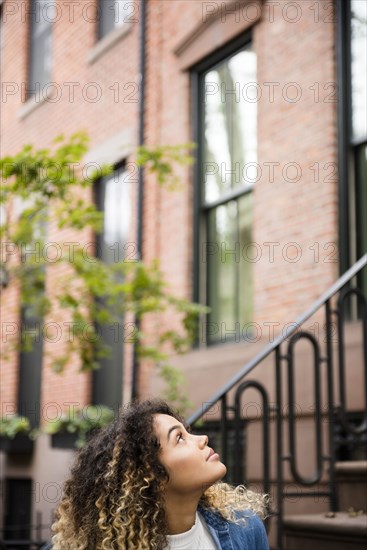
(20, 444)
(64, 440)
(67, 440)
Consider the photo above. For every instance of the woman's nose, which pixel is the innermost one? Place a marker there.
(203, 441)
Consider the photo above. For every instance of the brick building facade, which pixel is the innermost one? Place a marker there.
(257, 86)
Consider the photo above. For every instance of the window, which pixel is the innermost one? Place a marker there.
(348, 445)
(30, 366)
(31, 320)
(112, 194)
(40, 50)
(227, 137)
(352, 37)
(18, 508)
(113, 14)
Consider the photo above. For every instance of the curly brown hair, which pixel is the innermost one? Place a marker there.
(114, 498)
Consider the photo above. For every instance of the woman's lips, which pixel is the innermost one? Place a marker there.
(212, 455)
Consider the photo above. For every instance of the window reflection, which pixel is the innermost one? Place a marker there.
(223, 262)
(116, 207)
(115, 203)
(230, 124)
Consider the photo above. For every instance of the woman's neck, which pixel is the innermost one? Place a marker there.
(181, 512)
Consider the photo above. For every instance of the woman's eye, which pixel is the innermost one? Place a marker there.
(179, 436)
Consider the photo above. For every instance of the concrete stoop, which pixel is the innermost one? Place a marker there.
(351, 479)
(319, 532)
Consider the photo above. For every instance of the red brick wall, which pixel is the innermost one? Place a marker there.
(302, 132)
(115, 76)
(295, 54)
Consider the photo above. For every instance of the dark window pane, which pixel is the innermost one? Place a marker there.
(107, 17)
(18, 509)
(229, 129)
(31, 318)
(113, 198)
(40, 63)
(359, 68)
(30, 367)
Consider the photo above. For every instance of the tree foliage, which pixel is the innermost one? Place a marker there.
(48, 188)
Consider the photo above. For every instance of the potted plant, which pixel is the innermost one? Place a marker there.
(72, 429)
(15, 434)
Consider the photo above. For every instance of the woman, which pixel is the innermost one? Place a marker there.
(146, 482)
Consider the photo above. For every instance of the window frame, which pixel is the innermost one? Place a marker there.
(102, 44)
(30, 362)
(113, 383)
(201, 208)
(12, 486)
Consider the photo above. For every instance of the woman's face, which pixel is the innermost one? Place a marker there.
(189, 462)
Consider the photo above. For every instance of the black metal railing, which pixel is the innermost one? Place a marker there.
(326, 373)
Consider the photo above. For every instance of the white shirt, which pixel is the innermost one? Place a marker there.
(198, 537)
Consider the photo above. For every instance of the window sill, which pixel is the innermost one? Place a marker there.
(34, 102)
(107, 42)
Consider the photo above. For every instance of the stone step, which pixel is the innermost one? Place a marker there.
(320, 532)
(351, 479)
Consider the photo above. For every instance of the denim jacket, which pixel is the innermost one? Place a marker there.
(232, 536)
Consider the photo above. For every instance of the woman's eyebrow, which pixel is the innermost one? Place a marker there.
(172, 428)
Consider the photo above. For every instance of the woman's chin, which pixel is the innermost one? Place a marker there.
(222, 470)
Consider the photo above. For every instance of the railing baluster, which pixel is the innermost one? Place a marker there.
(224, 430)
(238, 463)
(292, 420)
(330, 394)
(279, 446)
(265, 420)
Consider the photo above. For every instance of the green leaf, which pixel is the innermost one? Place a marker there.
(13, 424)
(47, 189)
